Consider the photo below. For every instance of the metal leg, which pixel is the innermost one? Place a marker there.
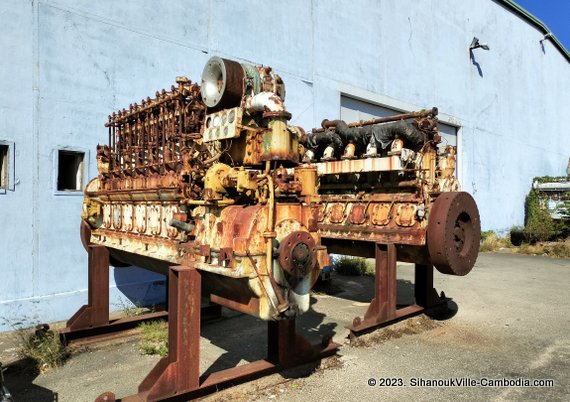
(425, 294)
(96, 311)
(285, 345)
(382, 310)
(180, 371)
(383, 306)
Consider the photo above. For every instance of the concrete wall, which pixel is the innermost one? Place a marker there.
(67, 64)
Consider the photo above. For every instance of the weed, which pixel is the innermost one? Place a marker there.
(131, 309)
(352, 266)
(154, 338)
(559, 249)
(533, 249)
(42, 346)
(491, 242)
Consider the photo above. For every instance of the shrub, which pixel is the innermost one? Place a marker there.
(352, 266)
(560, 249)
(491, 242)
(42, 346)
(539, 223)
(533, 249)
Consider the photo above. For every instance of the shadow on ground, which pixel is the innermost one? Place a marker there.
(244, 338)
(19, 379)
(361, 288)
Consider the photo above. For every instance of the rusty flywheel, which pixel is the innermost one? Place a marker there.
(454, 233)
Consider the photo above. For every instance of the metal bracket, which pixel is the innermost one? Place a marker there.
(383, 309)
(225, 257)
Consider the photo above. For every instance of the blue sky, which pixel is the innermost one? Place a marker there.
(554, 13)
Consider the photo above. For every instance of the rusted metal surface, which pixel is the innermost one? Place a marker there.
(326, 124)
(222, 83)
(180, 370)
(385, 164)
(454, 233)
(96, 312)
(383, 309)
(213, 178)
(298, 254)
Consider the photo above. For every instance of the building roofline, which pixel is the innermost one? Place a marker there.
(517, 9)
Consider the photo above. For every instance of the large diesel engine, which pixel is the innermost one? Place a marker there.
(213, 177)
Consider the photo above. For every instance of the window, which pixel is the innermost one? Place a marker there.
(7, 160)
(4, 166)
(70, 167)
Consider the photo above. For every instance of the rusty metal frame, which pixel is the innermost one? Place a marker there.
(177, 377)
(96, 312)
(383, 309)
(91, 321)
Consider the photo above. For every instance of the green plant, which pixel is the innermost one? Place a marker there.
(42, 346)
(131, 309)
(564, 211)
(154, 338)
(539, 223)
(549, 179)
(487, 233)
(352, 266)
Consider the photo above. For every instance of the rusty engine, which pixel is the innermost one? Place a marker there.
(213, 177)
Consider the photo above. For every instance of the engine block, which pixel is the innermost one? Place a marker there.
(213, 177)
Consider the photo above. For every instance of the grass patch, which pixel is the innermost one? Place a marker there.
(154, 338)
(532, 249)
(42, 347)
(560, 249)
(491, 242)
(353, 266)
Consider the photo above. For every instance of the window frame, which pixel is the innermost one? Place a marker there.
(10, 167)
(84, 172)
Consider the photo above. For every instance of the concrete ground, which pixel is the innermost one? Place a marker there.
(512, 321)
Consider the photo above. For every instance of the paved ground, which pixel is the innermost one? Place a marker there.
(513, 321)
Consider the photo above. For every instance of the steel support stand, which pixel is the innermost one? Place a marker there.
(96, 312)
(426, 295)
(177, 377)
(180, 370)
(383, 309)
(91, 322)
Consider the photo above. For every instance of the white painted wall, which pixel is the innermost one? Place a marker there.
(66, 64)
